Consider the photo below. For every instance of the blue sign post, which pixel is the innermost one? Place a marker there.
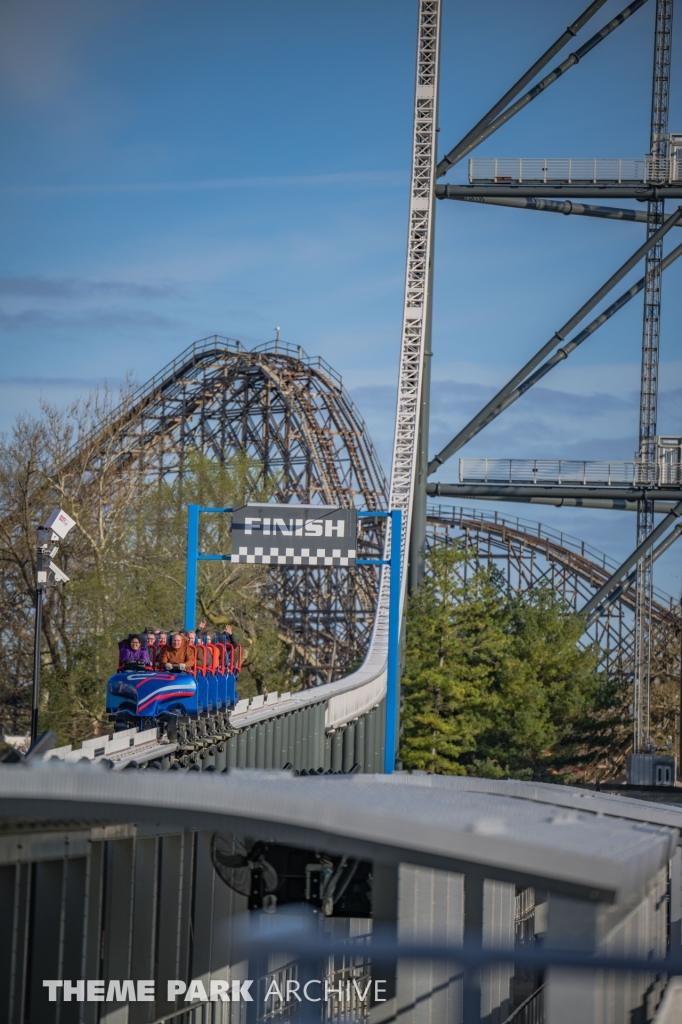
(194, 556)
(394, 562)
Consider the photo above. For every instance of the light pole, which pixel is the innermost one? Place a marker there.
(56, 527)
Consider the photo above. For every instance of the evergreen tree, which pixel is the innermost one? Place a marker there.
(547, 687)
(495, 684)
(455, 640)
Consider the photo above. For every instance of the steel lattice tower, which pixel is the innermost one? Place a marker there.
(410, 455)
(648, 406)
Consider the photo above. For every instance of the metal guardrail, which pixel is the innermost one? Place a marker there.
(263, 735)
(583, 171)
(531, 1010)
(568, 471)
(548, 471)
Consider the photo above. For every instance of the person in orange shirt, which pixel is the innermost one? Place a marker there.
(177, 657)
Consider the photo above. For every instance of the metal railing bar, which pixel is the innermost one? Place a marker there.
(469, 955)
(526, 1002)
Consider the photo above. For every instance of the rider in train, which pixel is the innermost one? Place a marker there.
(133, 652)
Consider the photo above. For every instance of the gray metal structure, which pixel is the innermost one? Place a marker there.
(648, 398)
(307, 731)
(566, 207)
(107, 876)
(642, 193)
(535, 369)
(410, 452)
(410, 459)
(505, 109)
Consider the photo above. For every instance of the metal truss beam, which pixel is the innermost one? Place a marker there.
(639, 552)
(460, 150)
(609, 504)
(476, 137)
(565, 351)
(561, 206)
(648, 405)
(410, 452)
(522, 380)
(524, 492)
(642, 193)
(616, 594)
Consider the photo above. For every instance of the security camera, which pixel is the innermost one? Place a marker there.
(60, 523)
(46, 542)
(59, 574)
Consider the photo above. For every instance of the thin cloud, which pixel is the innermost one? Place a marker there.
(548, 423)
(54, 382)
(30, 319)
(391, 178)
(79, 288)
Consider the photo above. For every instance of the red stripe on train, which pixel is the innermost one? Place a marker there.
(163, 696)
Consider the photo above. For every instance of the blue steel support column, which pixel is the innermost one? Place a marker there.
(192, 558)
(393, 682)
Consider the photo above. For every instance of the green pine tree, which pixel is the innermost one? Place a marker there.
(495, 684)
(455, 640)
(548, 693)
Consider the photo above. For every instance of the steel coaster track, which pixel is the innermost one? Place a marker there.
(366, 687)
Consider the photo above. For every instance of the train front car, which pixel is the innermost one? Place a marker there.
(133, 696)
(186, 704)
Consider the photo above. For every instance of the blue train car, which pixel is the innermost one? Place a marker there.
(209, 688)
(150, 694)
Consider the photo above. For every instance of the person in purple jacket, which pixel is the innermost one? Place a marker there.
(131, 653)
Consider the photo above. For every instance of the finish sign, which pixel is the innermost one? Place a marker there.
(294, 535)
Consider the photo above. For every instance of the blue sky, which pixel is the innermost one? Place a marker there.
(172, 170)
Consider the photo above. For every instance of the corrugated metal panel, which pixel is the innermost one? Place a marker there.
(499, 905)
(430, 905)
